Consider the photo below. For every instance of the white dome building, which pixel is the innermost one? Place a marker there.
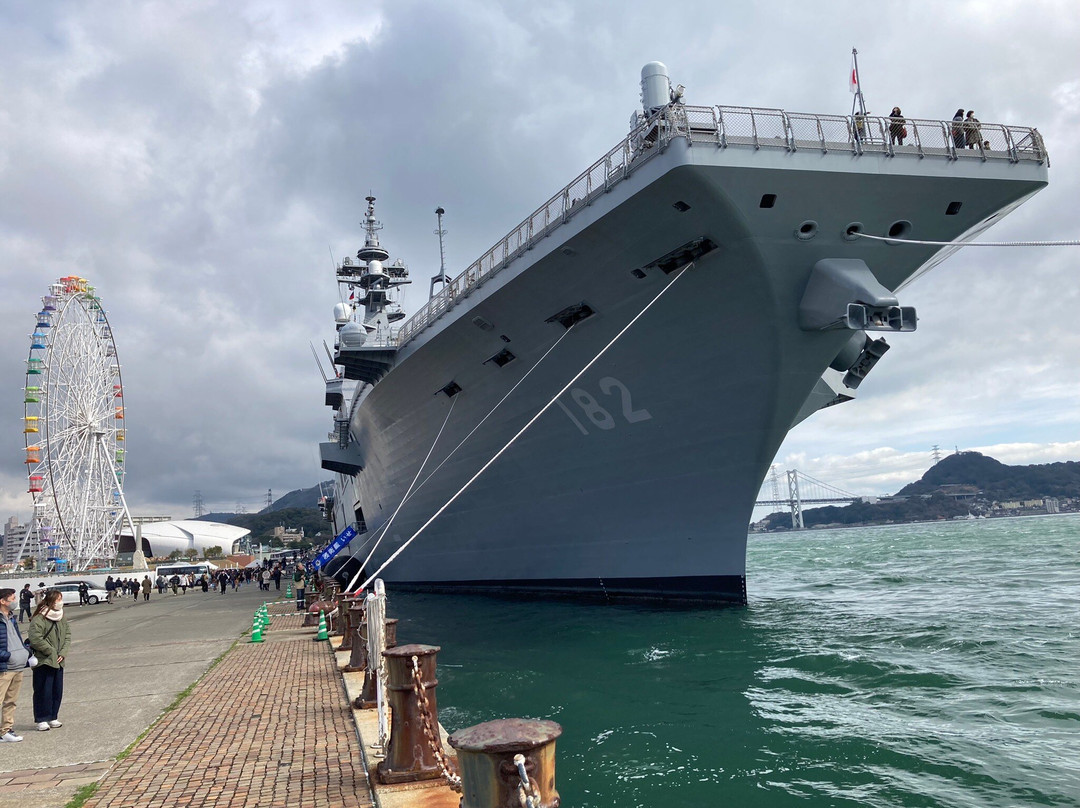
(161, 538)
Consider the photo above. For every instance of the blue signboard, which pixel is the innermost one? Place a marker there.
(334, 547)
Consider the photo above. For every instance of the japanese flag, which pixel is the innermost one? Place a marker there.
(853, 78)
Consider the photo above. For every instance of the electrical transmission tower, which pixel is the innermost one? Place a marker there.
(269, 498)
(936, 452)
(197, 502)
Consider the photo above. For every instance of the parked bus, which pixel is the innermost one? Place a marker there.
(195, 568)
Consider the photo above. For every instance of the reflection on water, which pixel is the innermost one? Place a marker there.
(918, 665)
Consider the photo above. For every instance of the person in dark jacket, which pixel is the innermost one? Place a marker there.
(15, 656)
(26, 602)
(897, 130)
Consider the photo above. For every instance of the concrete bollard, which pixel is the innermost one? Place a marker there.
(367, 698)
(409, 755)
(490, 775)
(350, 621)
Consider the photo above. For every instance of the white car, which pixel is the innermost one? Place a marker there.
(70, 590)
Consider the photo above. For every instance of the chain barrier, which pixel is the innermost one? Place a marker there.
(446, 766)
(528, 789)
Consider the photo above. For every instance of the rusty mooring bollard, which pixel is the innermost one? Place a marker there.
(330, 590)
(409, 755)
(492, 757)
(367, 698)
(358, 658)
(353, 616)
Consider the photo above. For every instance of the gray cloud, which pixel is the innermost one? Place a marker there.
(199, 162)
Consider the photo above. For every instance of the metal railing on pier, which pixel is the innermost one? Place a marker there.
(733, 127)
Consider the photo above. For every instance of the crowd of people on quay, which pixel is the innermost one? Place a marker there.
(43, 650)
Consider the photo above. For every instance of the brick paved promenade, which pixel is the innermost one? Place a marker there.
(269, 726)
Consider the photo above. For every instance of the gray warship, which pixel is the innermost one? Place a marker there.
(590, 408)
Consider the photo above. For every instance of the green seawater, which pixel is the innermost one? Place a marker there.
(910, 665)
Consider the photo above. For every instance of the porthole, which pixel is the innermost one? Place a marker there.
(900, 229)
(807, 230)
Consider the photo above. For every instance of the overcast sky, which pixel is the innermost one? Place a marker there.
(199, 162)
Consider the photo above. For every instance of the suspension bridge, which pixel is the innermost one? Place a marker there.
(802, 489)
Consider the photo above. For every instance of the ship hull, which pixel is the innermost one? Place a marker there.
(639, 480)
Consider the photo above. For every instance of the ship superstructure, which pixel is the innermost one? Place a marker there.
(709, 280)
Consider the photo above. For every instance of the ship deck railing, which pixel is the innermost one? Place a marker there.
(724, 128)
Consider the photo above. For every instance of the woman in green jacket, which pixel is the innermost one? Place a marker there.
(49, 637)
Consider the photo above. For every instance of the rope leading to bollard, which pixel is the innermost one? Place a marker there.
(528, 790)
(446, 766)
(531, 421)
(968, 243)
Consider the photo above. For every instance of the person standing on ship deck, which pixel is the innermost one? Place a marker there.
(897, 130)
(958, 137)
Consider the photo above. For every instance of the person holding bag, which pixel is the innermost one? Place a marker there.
(50, 638)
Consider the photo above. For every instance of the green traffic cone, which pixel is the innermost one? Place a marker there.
(288, 592)
(256, 633)
(322, 635)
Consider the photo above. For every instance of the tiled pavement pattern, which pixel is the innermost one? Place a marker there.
(269, 726)
(64, 777)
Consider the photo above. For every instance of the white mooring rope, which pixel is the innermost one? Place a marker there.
(531, 421)
(970, 243)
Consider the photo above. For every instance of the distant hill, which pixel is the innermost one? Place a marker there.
(301, 498)
(925, 500)
(997, 481)
(296, 509)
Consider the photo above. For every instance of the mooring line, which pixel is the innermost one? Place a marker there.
(970, 243)
(521, 431)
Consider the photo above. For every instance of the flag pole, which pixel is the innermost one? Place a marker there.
(858, 99)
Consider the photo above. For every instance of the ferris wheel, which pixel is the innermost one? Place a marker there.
(74, 430)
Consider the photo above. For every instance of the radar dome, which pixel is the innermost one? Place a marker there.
(342, 313)
(351, 335)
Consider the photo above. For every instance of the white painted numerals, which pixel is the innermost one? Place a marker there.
(596, 414)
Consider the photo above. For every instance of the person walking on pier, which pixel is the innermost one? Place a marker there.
(50, 638)
(146, 587)
(223, 580)
(26, 600)
(14, 657)
(300, 583)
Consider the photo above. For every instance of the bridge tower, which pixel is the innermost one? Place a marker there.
(796, 501)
